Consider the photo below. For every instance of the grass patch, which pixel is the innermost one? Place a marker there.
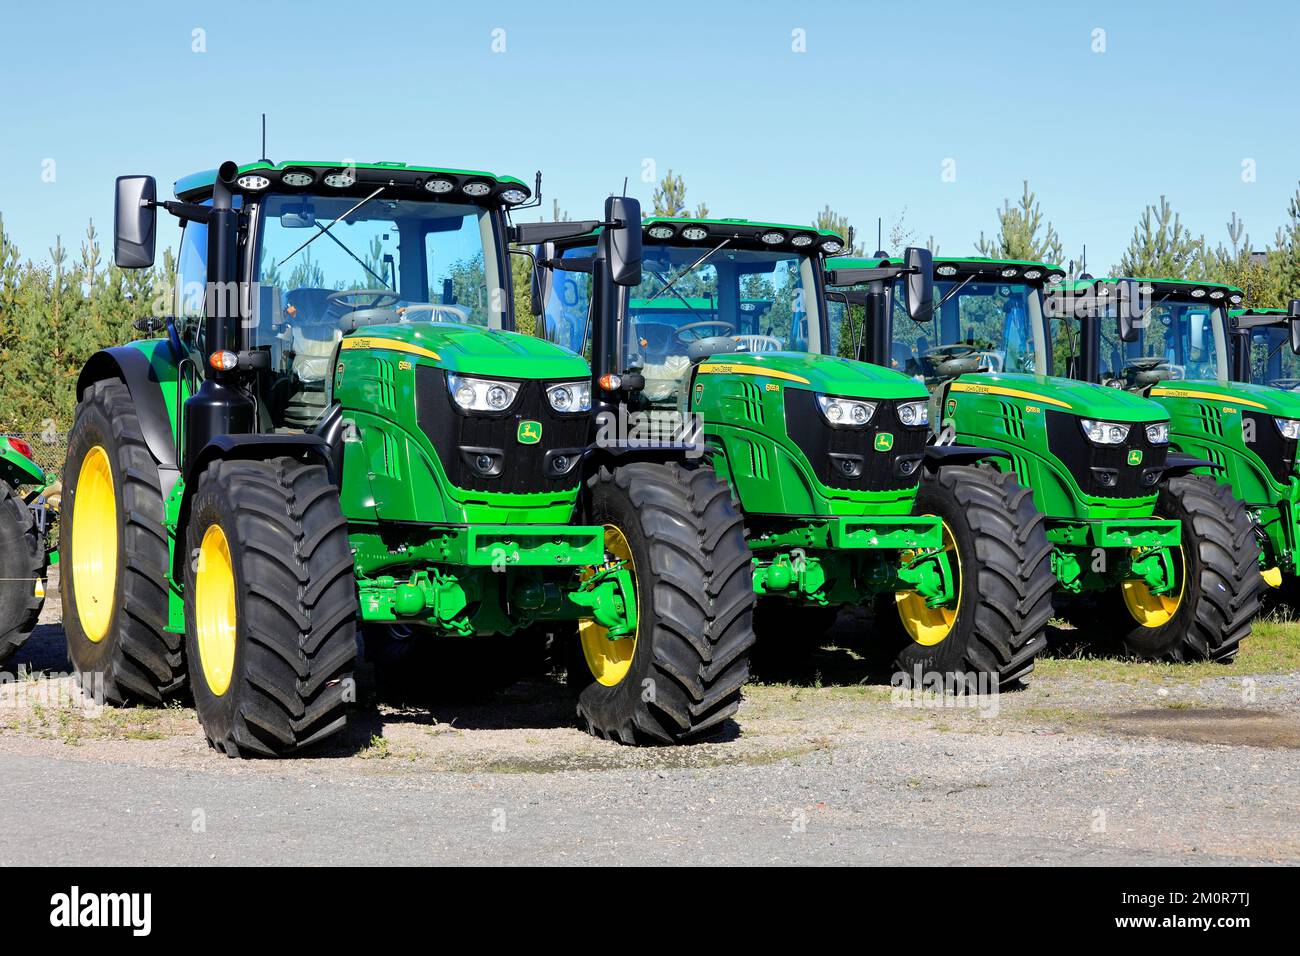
(1273, 647)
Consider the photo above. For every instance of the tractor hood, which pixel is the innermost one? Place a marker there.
(1265, 398)
(473, 350)
(818, 373)
(1062, 394)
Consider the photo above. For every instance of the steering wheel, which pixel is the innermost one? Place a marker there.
(1149, 370)
(684, 341)
(379, 298)
(1288, 383)
(956, 359)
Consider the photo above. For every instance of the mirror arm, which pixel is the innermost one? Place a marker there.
(189, 211)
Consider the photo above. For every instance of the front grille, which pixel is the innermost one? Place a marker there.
(847, 458)
(1275, 450)
(464, 441)
(1104, 471)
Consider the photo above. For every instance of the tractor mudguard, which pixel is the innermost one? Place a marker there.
(330, 431)
(938, 455)
(247, 447)
(1177, 465)
(133, 367)
(18, 469)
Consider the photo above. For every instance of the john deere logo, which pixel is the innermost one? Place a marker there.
(530, 432)
(1135, 456)
(884, 441)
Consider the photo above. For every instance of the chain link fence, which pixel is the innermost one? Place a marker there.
(48, 449)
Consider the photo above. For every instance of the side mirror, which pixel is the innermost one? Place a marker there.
(1128, 309)
(920, 283)
(135, 221)
(1293, 310)
(621, 245)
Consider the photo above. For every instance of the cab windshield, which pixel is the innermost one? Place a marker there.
(695, 301)
(384, 261)
(1271, 360)
(1178, 340)
(995, 323)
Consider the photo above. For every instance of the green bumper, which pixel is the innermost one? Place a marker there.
(1116, 533)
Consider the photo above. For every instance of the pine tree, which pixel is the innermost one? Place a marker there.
(1019, 235)
(1162, 247)
(670, 196)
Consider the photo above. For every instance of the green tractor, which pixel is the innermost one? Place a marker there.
(1176, 344)
(1265, 347)
(1126, 518)
(337, 425)
(729, 335)
(26, 509)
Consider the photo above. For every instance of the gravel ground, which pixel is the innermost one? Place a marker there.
(829, 769)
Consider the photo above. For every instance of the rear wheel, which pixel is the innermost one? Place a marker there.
(998, 552)
(270, 607)
(1218, 585)
(22, 571)
(680, 674)
(113, 555)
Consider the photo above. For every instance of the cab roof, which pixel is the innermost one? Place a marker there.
(1181, 288)
(745, 232)
(361, 179)
(963, 265)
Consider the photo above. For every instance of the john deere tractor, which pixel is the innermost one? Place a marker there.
(338, 426)
(24, 557)
(730, 330)
(1157, 549)
(1175, 344)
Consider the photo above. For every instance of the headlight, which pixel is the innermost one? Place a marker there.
(1289, 427)
(1158, 433)
(570, 397)
(846, 411)
(481, 394)
(1104, 433)
(914, 413)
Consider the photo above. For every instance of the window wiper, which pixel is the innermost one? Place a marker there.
(687, 271)
(325, 230)
(664, 282)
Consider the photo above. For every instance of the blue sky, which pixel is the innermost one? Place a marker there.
(863, 119)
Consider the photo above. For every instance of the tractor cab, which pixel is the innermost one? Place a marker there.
(337, 250)
(708, 287)
(1138, 334)
(1264, 346)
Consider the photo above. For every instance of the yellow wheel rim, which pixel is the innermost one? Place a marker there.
(214, 610)
(1154, 610)
(94, 544)
(609, 661)
(926, 625)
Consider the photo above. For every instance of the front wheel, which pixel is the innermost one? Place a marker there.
(270, 607)
(679, 674)
(996, 545)
(1217, 588)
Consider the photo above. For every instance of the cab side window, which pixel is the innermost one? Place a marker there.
(191, 281)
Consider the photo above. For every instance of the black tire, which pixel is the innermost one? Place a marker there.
(786, 637)
(23, 560)
(295, 604)
(137, 660)
(426, 669)
(1222, 589)
(1006, 592)
(694, 585)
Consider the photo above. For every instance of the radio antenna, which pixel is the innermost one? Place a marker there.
(264, 159)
